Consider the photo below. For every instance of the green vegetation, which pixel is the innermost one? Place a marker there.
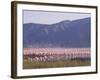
(27, 64)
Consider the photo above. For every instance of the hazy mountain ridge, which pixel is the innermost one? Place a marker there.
(63, 34)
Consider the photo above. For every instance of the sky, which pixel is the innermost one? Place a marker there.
(50, 17)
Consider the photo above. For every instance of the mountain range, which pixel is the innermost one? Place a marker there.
(65, 34)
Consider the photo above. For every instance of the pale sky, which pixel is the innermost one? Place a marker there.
(49, 17)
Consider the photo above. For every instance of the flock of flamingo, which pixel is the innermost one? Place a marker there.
(54, 54)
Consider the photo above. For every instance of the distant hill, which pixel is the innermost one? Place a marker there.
(69, 34)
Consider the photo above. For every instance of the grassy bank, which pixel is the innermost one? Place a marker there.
(27, 64)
